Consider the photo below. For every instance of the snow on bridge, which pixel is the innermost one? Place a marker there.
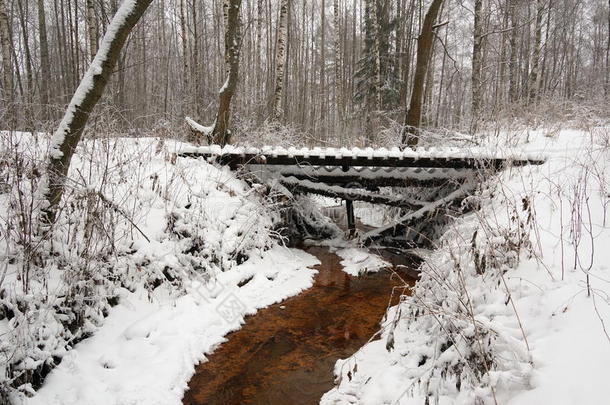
(457, 158)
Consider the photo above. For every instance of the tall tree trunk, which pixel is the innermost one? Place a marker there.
(377, 18)
(91, 88)
(7, 66)
(231, 8)
(410, 135)
(533, 81)
(91, 29)
(323, 105)
(514, 53)
(406, 56)
(477, 60)
(45, 67)
(26, 49)
(607, 80)
(278, 111)
(338, 79)
(185, 60)
(195, 72)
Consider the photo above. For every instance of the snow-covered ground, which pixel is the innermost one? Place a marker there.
(516, 313)
(146, 351)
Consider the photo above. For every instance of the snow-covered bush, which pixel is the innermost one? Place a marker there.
(456, 343)
(479, 318)
(250, 133)
(54, 291)
(302, 219)
(133, 217)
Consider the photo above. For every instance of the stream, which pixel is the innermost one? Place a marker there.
(286, 353)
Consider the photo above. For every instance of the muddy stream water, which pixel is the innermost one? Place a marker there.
(285, 353)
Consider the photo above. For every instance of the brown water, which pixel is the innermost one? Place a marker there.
(285, 354)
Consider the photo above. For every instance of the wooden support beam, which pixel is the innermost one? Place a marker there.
(369, 177)
(408, 220)
(307, 186)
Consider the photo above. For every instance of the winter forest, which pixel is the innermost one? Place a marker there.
(330, 71)
(304, 201)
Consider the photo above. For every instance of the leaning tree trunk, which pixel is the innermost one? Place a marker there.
(89, 91)
(282, 32)
(221, 134)
(410, 134)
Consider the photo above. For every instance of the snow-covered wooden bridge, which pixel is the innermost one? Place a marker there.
(435, 178)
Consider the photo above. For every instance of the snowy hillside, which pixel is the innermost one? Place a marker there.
(514, 306)
(155, 258)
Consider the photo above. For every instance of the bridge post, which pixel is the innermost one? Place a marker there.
(349, 206)
(351, 223)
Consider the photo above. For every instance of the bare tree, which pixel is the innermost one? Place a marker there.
(338, 77)
(425, 40)
(514, 51)
(533, 80)
(477, 60)
(70, 130)
(221, 134)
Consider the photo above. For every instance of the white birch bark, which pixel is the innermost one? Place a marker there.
(278, 111)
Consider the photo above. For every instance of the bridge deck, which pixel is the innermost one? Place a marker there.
(456, 158)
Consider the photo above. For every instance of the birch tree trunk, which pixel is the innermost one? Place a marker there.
(425, 40)
(533, 82)
(68, 134)
(278, 111)
(91, 29)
